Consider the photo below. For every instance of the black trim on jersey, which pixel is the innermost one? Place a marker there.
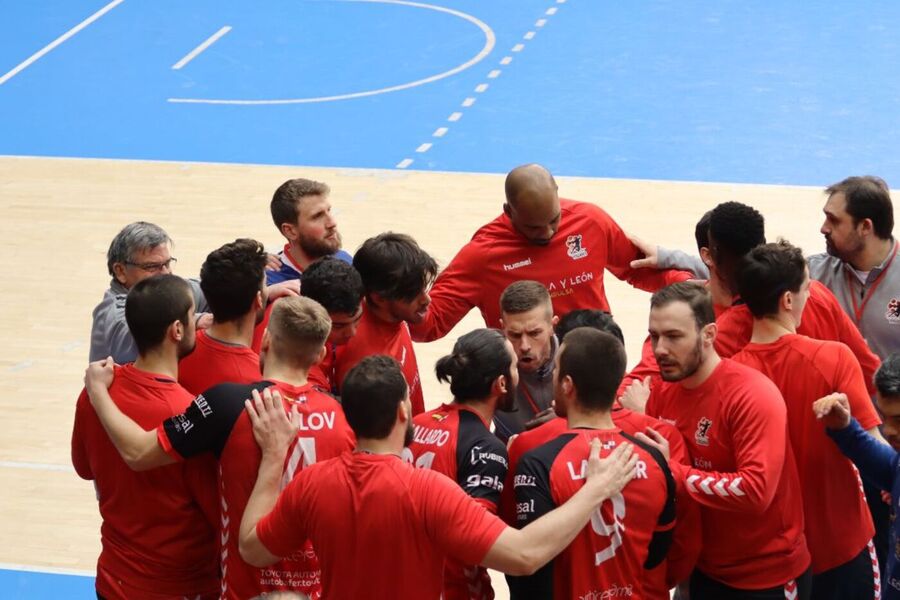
(535, 499)
(481, 459)
(208, 421)
(661, 540)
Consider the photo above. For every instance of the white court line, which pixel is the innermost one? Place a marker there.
(440, 132)
(404, 163)
(196, 51)
(468, 102)
(506, 60)
(454, 117)
(540, 22)
(494, 74)
(11, 464)
(518, 47)
(551, 11)
(529, 35)
(37, 55)
(53, 570)
(424, 147)
(481, 88)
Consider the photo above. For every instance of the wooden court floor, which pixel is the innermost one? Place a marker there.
(59, 215)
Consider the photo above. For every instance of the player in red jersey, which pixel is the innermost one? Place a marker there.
(564, 244)
(233, 281)
(158, 532)
(734, 422)
(215, 423)
(774, 283)
(455, 439)
(629, 534)
(686, 539)
(396, 273)
(382, 528)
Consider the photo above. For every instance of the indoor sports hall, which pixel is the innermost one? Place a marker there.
(190, 113)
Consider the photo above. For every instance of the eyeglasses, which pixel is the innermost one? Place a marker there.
(153, 267)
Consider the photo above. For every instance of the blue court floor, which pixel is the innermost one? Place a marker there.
(720, 90)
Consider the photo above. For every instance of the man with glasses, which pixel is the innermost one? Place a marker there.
(141, 250)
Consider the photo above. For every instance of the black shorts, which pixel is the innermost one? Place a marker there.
(706, 588)
(858, 578)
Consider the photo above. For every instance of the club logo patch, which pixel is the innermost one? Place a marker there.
(893, 311)
(702, 434)
(575, 249)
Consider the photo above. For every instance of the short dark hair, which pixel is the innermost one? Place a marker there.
(887, 377)
(868, 197)
(767, 272)
(585, 317)
(152, 305)
(734, 230)
(595, 360)
(334, 284)
(696, 296)
(478, 359)
(286, 199)
(524, 295)
(231, 277)
(701, 231)
(394, 266)
(370, 395)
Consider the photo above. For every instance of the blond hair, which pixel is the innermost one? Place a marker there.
(298, 328)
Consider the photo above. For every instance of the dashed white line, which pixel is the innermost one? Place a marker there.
(518, 47)
(11, 464)
(540, 22)
(439, 132)
(560, 1)
(203, 46)
(37, 55)
(551, 11)
(529, 35)
(404, 163)
(481, 88)
(454, 117)
(424, 148)
(506, 60)
(468, 102)
(494, 74)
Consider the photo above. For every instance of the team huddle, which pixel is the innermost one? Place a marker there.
(262, 431)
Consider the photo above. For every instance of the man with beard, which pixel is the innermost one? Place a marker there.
(744, 477)
(158, 532)
(381, 527)
(216, 424)
(455, 439)
(396, 274)
(527, 321)
(233, 281)
(302, 213)
(860, 266)
(564, 244)
(875, 461)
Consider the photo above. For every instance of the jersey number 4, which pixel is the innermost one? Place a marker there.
(303, 455)
(612, 530)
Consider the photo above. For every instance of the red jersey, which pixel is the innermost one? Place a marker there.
(743, 475)
(159, 526)
(627, 534)
(686, 539)
(381, 527)
(823, 319)
(213, 362)
(260, 328)
(571, 266)
(216, 422)
(454, 440)
(838, 522)
(374, 336)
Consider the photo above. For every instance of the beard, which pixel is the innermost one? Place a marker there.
(319, 248)
(853, 246)
(507, 403)
(689, 366)
(186, 346)
(409, 435)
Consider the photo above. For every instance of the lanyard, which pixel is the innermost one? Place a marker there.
(867, 294)
(528, 397)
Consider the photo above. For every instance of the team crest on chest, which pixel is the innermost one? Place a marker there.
(893, 311)
(702, 434)
(574, 247)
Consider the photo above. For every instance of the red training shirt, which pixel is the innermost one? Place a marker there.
(454, 440)
(374, 336)
(838, 522)
(744, 476)
(159, 526)
(213, 362)
(381, 527)
(217, 423)
(571, 266)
